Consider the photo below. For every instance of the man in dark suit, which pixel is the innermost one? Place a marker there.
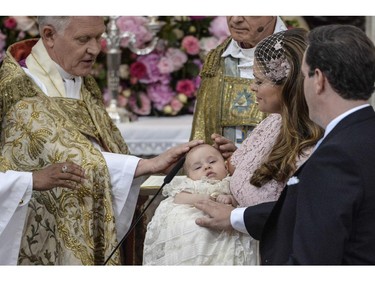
(326, 213)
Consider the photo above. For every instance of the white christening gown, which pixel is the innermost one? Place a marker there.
(173, 237)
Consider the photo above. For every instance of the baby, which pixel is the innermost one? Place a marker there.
(173, 237)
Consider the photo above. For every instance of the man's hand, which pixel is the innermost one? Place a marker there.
(219, 215)
(56, 175)
(225, 146)
(164, 162)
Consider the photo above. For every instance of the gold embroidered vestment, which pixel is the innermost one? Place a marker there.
(63, 226)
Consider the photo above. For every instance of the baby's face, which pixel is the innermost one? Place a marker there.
(205, 161)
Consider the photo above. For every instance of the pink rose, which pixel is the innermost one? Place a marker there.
(138, 70)
(208, 43)
(10, 23)
(186, 86)
(165, 65)
(176, 106)
(136, 25)
(219, 28)
(191, 45)
(103, 45)
(160, 95)
(177, 57)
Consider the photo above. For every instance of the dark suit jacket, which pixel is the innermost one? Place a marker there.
(328, 217)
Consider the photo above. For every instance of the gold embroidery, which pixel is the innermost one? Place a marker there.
(221, 100)
(4, 165)
(62, 226)
(79, 115)
(240, 108)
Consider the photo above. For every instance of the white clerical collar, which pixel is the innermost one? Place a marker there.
(72, 84)
(65, 75)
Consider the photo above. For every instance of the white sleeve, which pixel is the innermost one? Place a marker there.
(122, 169)
(237, 221)
(15, 194)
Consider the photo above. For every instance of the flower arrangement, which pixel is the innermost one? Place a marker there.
(163, 82)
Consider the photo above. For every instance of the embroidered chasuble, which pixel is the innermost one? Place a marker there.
(4, 165)
(224, 100)
(63, 226)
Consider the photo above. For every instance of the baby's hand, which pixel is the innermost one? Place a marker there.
(224, 199)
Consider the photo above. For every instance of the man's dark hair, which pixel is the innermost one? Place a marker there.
(346, 56)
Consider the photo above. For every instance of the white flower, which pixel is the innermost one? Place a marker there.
(292, 181)
(277, 45)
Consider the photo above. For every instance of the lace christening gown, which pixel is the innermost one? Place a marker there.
(173, 237)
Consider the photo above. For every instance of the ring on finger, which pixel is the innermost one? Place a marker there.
(64, 169)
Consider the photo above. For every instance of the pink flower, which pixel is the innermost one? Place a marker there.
(136, 25)
(106, 97)
(27, 24)
(152, 71)
(138, 70)
(165, 65)
(2, 40)
(142, 106)
(176, 106)
(133, 80)
(177, 57)
(21, 35)
(103, 44)
(10, 23)
(208, 43)
(191, 45)
(160, 95)
(219, 28)
(185, 86)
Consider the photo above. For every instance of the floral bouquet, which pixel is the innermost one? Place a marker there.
(164, 82)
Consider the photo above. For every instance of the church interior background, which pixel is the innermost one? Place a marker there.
(157, 90)
(163, 82)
